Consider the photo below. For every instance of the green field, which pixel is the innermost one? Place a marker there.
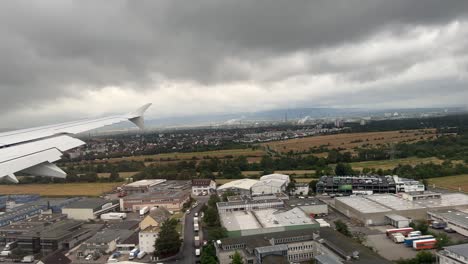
(457, 183)
(390, 164)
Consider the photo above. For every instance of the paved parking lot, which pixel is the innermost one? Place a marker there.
(388, 249)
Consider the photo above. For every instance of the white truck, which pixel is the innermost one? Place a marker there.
(133, 254)
(196, 240)
(113, 216)
(197, 252)
(28, 259)
(141, 255)
(196, 227)
(195, 220)
(398, 238)
(144, 210)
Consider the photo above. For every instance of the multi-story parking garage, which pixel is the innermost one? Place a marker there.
(367, 184)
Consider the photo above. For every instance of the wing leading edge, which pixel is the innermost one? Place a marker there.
(34, 150)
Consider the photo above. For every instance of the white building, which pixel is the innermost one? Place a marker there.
(301, 189)
(242, 186)
(200, 186)
(276, 176)
(408, 185)
(269, 186)
(147, 238)
(457, 254)
(88, 209)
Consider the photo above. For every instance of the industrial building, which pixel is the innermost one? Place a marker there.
(457, 254)
(141, 186)
(47, 233)
(455, 219)
(244, 223)
(397, 221)
(310, 205)
(241, 187)
(200, 186)
(90, 208)
(268, 184)
(302, 188)
(367, 185)
(373, 209)
(296, 246)
(172, 200)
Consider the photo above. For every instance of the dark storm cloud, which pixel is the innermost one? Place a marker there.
(50, 49)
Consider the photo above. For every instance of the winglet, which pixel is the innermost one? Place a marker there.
(140, 111)
(137, 118)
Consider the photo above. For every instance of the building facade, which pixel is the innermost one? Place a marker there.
(147, 238)
(200, 186)
(457, 254)
(171, 200)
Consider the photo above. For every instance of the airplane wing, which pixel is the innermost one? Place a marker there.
(33, 150)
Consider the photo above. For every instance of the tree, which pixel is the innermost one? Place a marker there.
(114, 176)
(342, 227)
(237, 258)
(291, 186)
(208, 254)
(343, 169)
(168, 242)
(443, 240)
(211, 217)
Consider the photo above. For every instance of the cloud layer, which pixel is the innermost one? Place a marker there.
(63, 59)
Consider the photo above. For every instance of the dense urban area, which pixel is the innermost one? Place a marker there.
(388, 190)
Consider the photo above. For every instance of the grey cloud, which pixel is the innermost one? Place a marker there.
(50, 48)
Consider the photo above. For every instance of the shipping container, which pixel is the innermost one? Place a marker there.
(425, 244)
(404, 231)
(409, 240)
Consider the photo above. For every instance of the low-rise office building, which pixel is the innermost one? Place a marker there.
(200, 186)
(170, 199)
(457, 254)
(90, 208)
(295, 246)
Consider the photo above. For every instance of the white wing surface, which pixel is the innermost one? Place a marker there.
(33, 150)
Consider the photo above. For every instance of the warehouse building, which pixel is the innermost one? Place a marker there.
(268, 184)
(367, 185)
(241, 187)
(397, 221)
(296, 246)
(372, 209)
(455, 219)
(249, 204)
(310, 205)
(457, 254)
(244, 223)
(172, 200)
(90, 208)
(203, 186)
(141, 186)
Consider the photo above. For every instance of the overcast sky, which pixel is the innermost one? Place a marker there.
(69, 59)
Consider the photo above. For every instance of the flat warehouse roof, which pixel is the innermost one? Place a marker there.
(239, 220)
(144, 183)
(362, 204)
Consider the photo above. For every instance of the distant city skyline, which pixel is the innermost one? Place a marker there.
(62, 60)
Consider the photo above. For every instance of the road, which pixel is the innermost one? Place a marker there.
(188, 253)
